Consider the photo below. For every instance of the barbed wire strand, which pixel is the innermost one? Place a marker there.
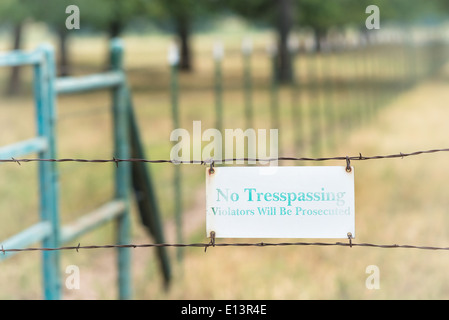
(202, 162)
(236, 244)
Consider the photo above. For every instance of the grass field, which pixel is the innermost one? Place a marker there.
(399, 201)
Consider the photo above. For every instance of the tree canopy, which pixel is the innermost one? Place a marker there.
(181, 17)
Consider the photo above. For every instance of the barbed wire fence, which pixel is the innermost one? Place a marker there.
(212, 161)
(212, 242)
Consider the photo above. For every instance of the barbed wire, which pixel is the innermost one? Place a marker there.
(212, 161)
(232, 244)
(212, 242)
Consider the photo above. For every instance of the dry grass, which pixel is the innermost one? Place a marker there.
(397, 201)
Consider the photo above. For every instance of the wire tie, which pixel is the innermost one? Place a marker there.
(78, 247)
(348, 164)
(212, 241)
(3, 250)
(207, 161)
(350, 239)
(402, 155)
(211, 170)
(360, 156)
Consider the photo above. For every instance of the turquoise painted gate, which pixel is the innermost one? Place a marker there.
(128, 176)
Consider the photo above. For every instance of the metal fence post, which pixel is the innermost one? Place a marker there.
(297, 108)
(173, 59)
(218, 57)
(247, 50)
(274, 87)
(48, 178)
(123, 172)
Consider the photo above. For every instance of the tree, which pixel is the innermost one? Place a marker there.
(14, 14)
(182, 17)
(284, 27)
(53, 14)
(278, 14)
(320, 16)
(111, 16)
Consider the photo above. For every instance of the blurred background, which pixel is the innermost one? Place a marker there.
(310, 68)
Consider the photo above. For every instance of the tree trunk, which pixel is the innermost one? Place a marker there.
(285, 23)
(64, 60)
(319, 35)
(185, 55)
(115, 28)
(14, 79)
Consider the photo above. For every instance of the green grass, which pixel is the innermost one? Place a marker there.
(394, 199)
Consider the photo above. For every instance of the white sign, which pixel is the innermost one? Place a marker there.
(280, 202)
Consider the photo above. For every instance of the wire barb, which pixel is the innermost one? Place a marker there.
(116, 161)
(18, 162)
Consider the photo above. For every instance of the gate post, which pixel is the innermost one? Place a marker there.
(44, 78)
(123, 171)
